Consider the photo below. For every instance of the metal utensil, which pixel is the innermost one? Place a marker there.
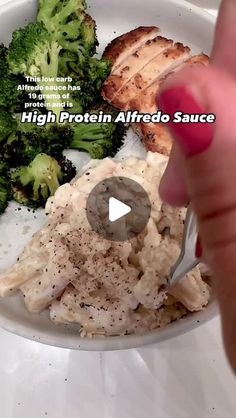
(187, 259)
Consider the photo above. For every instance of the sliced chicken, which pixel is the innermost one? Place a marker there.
(146, 100)
(135, 82)
(157, 68)
(134, 63)
(125, 45)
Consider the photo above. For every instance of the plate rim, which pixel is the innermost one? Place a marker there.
(112, 343)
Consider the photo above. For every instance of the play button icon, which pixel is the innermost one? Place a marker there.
(118, 208)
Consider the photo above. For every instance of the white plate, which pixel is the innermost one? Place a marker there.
(178, 20)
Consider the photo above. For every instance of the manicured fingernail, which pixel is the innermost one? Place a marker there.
(193, 138)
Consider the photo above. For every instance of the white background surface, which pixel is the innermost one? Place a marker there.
(187, 377)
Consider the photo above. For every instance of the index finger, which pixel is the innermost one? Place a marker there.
(223, 54)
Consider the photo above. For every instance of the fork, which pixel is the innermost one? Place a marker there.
(187, 259)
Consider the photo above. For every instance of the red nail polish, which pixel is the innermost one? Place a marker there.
(193, 138)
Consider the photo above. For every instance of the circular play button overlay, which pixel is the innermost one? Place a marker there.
(118, 208)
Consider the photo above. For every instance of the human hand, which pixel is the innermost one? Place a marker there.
(202, 166)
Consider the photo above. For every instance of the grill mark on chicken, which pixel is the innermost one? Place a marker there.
(131, 66)
(123, 46)
(140, 91)
(157, 68)
(145, 54)
(146, 101)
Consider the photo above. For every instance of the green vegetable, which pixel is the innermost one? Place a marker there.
(61, 43)
(10, 97)
(90, 82)
(29, 140)
(75, 32)
(4, 186)
(99, 139)
(34, 52)
(73, 28)
(34, 184)
(7, 124)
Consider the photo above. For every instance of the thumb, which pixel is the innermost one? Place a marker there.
(209, 158)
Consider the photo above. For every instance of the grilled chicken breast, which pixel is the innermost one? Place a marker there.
(134, 64)
(123, 46)
(163, 63)
(139, 68)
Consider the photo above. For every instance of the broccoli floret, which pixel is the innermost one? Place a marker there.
(99, 139)
(34, 184)
(90, 82)
(75, 32)
(61, 43)
(73, 28)
(88, 34)
(56, 13)
(5, 193)
(29, 140)
(7, 124)
(33, 52)
(10, 97)
(97, 149)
